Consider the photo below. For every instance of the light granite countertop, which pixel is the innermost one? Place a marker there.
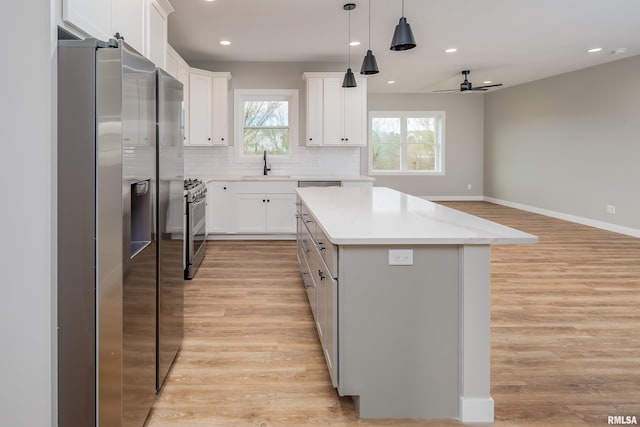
(380, 215)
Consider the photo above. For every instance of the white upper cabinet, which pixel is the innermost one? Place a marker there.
(91, 16)
(200, 108)
(127, 19)
(208, 108)
(172, 62)
(142, 23)
(314, 111)
(336, 116)
(220, 107)
(178, 68)
(158, 12)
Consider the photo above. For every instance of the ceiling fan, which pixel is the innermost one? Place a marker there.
(466, 85)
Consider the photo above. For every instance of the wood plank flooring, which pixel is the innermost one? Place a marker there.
(565, 335)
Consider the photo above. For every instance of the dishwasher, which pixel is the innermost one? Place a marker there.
(319, 183)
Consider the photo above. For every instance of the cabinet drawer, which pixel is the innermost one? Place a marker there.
(307, 220)
(328, 252)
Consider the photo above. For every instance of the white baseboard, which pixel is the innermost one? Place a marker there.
(633, 232)
(476, 409)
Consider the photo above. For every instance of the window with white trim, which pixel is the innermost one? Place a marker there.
(406, 142)
(266, 120)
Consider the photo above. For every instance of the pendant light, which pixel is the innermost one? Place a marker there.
(349, 78)
(369, 64)
(403, 36)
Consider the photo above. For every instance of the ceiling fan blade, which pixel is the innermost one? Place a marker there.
(486, 86)
(446, 90)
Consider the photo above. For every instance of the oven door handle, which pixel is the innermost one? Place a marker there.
(198, 202)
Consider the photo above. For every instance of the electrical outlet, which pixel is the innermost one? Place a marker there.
(469, 187)
(611, 209)
(400, 256)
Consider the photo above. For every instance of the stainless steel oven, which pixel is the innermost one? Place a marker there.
(196, 227)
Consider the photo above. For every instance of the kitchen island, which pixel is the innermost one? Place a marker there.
(399, 288)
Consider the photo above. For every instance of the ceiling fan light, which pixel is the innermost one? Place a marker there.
(369, 64)
(403, 36)
(349, 79)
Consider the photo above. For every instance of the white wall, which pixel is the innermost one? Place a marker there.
(463, 144)
(27, 256)
(305, 161)
(569, 143)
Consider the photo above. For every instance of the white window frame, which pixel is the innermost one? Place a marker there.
(242, 95)
(403, 116)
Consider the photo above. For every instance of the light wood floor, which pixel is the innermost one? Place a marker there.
(565, 335)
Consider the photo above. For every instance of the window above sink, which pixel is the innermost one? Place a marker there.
(265, 120)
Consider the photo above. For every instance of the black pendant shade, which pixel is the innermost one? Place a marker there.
(369, 64)
(349, 79)
(403, 36)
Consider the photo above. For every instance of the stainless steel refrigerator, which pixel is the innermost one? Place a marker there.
(110, 218)
(171, 215)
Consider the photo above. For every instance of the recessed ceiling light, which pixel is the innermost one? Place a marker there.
(594, 50)
(391, 82)
(225, 42)
(619, 51)
(209, 0)
(486, 82)
(354, 43)
(451, 50)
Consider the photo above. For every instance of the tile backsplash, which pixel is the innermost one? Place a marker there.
(214, 161)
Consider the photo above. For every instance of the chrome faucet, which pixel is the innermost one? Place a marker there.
(265, 170)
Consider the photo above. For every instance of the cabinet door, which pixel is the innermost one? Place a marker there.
(157, 31)
(314, 111)
(333, 115)
(220, 111)
(183, 77)
(250, 213)
(171, 65)
(281, 213)
(91, 16)
(219, 207)
(128, 19)
(331, 329)
(327, 313)
(355, 114)
(321, 277)
(306, 271)
(200, 91)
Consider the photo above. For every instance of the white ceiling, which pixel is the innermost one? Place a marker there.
(505, 41)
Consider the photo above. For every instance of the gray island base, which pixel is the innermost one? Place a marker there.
(400, 291)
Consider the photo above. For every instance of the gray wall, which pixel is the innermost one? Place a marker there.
(569, 143)
(463, 143)
(27, 272)
(463, 133)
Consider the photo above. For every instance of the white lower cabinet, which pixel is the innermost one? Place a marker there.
(251, 213)
(265, 213)
(251, 207)
(219, 207)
